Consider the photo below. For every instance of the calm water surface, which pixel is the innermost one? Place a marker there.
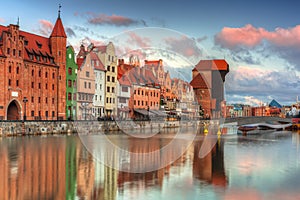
(60, 167)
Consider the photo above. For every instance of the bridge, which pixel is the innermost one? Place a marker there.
(253, 120)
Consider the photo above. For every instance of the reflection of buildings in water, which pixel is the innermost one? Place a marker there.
(211, 167)
(32, 169)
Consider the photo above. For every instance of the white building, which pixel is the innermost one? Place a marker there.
(98, 110)
(123, 88)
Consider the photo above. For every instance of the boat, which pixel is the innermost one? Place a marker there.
(261, 128)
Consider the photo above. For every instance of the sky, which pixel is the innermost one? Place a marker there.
(260, 40)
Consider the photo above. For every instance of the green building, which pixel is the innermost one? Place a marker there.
(71, 78)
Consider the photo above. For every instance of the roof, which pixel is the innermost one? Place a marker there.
(221, 65)
(124, 80)
(274, 103)
(34, 44)
(102, 49)
(199, 82)
(98, 65)
(58, 30)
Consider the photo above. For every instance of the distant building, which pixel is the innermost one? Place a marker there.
(71, 80)
(33, 74)
(208, 83)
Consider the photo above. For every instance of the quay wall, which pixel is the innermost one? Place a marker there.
(14, 128)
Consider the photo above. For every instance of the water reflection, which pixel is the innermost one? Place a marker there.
(59, 167)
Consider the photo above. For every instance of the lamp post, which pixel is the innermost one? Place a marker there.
(25, 100)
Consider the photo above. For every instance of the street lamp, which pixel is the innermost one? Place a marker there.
(25, 100)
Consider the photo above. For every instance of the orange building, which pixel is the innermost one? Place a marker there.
(33, 74)
(208, 83)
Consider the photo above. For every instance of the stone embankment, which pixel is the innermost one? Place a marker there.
(14, 128)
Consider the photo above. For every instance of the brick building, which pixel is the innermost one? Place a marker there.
(208, 83)
(33, 74)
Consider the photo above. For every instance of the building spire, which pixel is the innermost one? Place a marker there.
(59, 6)
(18, 22)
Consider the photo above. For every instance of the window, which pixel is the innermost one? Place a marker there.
(69, 97)
(138, 102)
(124, 89)
(90, 85)
(9, 82)
(70, 71)
(113, 89)
(17, 83)
(87, 74)
(109, 100)
(142, 92)
(138, 92)
(18, 69)
(134, 102)
(20, 53)
(100, 86)
(142, 103)
(74, 83)
(32, 113)
(84, 84)
(32, 85)
(95, 97)
(9, 69)
(52, 100)
(53, 113)
(46, 113)
(122, 100)
(53, 75)
(46, 86)
(40, 73)
(32, 72)
(52, 86)
(39, 85)
(95, 86)
(32, 99)
(69, 83)
(8, 50)
(106, 99)
(113, 69)
(108, 89)
(46, 75)
(74, 96)
(14, 52)
(113, 79)
(108, 78)
(46, 99)
(39, 100)
(113, 100)
(39, 113)
(108, 68)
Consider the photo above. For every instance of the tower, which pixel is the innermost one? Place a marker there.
(58, 42)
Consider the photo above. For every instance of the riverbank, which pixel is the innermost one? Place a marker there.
(19, 128)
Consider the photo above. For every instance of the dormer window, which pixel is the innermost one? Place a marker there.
(26, 42)
(39, 45)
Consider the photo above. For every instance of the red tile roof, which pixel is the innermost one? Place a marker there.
(58, 30)
(34, 44)
(124, 80)
(199, 82)
(212, 65)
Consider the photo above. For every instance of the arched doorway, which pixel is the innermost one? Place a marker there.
(13, 112)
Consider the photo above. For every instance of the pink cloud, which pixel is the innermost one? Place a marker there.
(46, 27)
(251, 36)
(135, 39)
(117, 20)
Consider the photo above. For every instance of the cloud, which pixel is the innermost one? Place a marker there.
(183, 46)
(244, 81)
(70, 32)
(2, 20)
(45, 28)
(139, 41)
(115, 20)
(284, 43)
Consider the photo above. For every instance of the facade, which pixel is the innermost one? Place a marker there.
(85, 87)
(98, 110)
(208, 83)
(107, 55)
(33, 74)
(71, 80)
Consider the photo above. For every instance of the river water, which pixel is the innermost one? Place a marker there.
(237, 167)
